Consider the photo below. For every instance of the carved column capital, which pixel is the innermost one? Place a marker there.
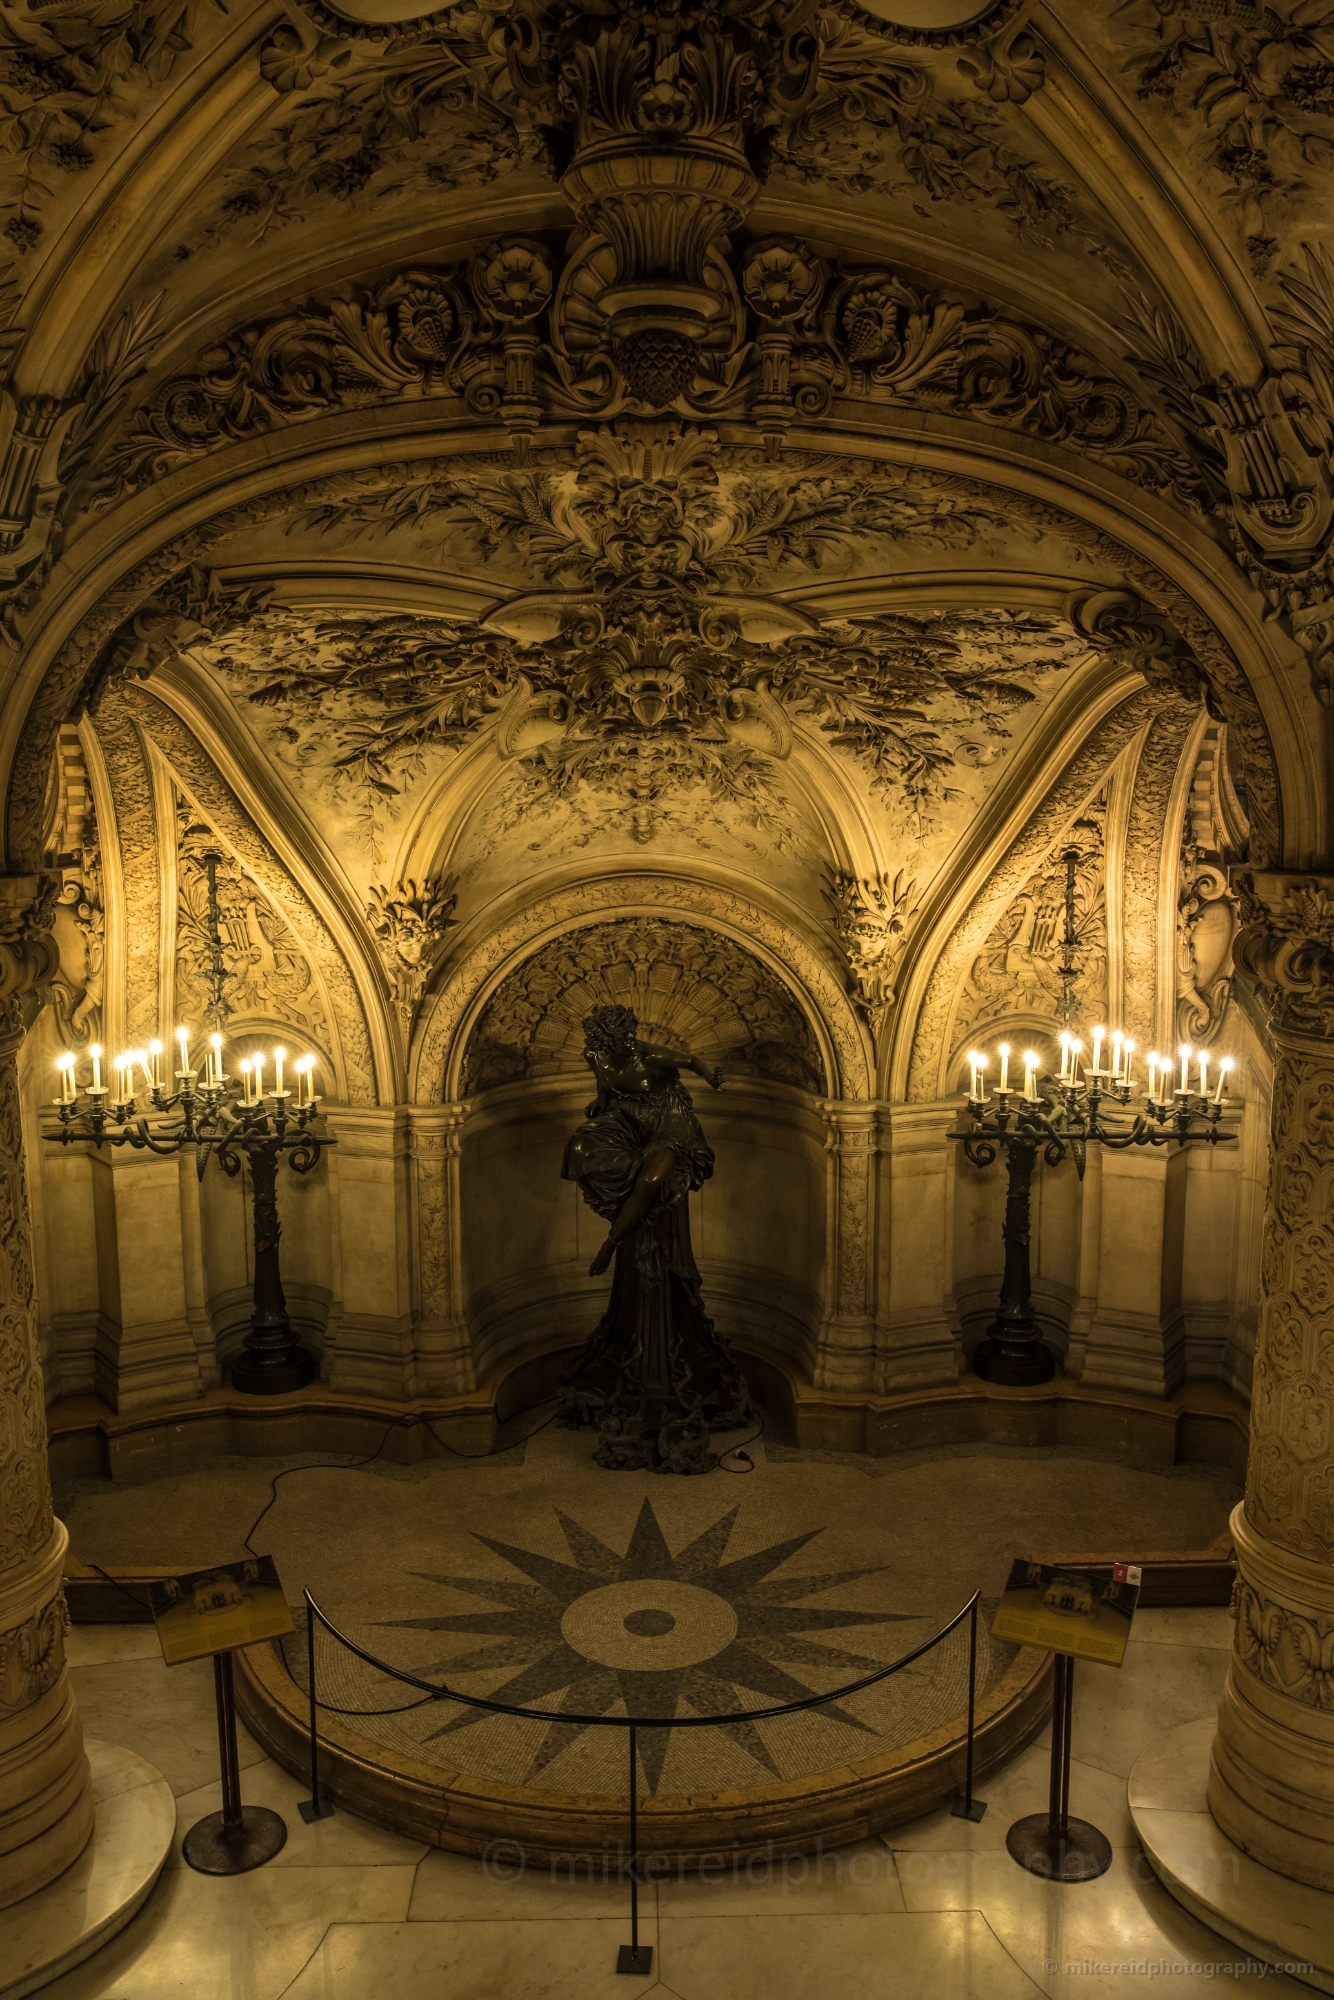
(1286, 949)
(29, 955)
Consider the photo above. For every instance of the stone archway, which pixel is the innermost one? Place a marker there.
(507, 1013)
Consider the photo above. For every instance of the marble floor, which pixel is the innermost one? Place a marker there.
(533, 1578)
(935, 1911)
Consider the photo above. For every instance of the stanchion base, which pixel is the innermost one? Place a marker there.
(1012, 1364)
(962, 1809)
(216, 1849)
(311, 1809)
(635, 1958)
(258, 1378)
(1080, 1854)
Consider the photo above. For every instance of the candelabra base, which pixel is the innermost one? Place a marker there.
(255, 1376)
(1013, 1364)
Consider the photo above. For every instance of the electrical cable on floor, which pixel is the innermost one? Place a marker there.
(739, 1451)
(340, 1465)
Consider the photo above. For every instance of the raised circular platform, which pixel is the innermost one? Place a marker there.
(509, 1824)
(1276, 1919)
(74, 1916)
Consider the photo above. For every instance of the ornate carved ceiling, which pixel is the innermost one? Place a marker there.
(774, 443)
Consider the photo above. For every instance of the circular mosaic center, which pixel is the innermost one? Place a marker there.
(649, 1624)
(646, 1625)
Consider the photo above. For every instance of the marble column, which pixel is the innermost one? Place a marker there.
(46, 1807)
(846, 1356)
(1271, 1781)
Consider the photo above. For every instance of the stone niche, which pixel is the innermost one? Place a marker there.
(758, 1226)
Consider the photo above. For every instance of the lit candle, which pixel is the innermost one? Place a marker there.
(981, 1080)
(215, 1060)
(1202, 1056)
(155, 1051)
(124, 1078)
(1118, 1046)
(65, 1064)
(1030, 1074)
(1223, 1069)
(972, 1075)
(310, 1080)
(245, 1079)
(1184, 1053)
(1076, 1050)
(1099, 1034)
(1065, 1058)
(96, 1053)
(183, 1038)
(1153, 1076)
(279, 1058)
(1127, 1051)
(1005, 1066)
(257, 1068)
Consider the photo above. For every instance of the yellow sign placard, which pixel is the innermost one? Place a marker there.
(1069, 1611)
(212, 1610)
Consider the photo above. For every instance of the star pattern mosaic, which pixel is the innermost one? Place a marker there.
(661, 1633)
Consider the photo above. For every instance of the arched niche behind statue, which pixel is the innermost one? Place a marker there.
(758, 1225)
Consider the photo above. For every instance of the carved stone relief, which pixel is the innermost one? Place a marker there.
(1015, 973)
(1284, 1648)
(409, 921)
(218, 808)
(32, 1656)
(652, 653)
(1145, 871)
(25, 1494)
(690, 989)
(871, 922)
(1290, 1485)
(137, 835)
(692, 903)
(254, 970)
(1048, 828)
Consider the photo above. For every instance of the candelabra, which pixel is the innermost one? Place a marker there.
(1059, 1117)
(223, 1118)
(1056, 1116)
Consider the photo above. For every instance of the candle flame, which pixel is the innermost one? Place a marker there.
(1030, 1059)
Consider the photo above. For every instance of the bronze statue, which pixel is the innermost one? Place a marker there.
(656, 1376)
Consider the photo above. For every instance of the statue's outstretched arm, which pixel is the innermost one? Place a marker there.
(682, 1059)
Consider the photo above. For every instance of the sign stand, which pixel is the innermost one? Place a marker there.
(238, 1838)
(1051, 1843)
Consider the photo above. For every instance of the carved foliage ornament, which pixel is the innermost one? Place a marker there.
(25, 1494)
(689, 988)
(651, 658)
(1286, 947)
(871, 920)
(514, 336)
(409, 921)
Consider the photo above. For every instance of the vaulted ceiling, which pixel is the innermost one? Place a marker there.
(769, 441)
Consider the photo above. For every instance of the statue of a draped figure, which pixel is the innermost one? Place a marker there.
(656, 1377)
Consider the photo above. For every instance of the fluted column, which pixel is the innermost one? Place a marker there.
(847, 1331)
(46, 1808)
(1271, 1782)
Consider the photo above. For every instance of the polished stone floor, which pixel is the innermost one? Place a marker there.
(534, 1578)
(936, 1911)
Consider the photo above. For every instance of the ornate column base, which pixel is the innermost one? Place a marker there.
(46, 1802)
(1271, 1776)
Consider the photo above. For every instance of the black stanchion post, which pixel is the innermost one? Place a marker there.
(968, 1807)
(634, 1957)
(314, 1807)
(238, 1838)
(1051, 1843)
